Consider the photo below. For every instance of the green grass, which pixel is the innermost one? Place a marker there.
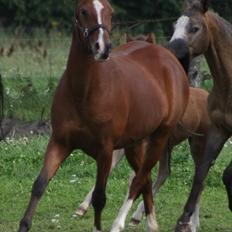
(31, 73)
(20, 162)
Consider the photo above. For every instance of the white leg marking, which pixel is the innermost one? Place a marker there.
(82, 209)
(180, 28)
(85, 204)
(119, 222)
(194, 220)
(95, 230)
(152, 225)
(99, 7)
(117, 156)
(138, 214)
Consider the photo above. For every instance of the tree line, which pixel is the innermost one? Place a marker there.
(59, 14)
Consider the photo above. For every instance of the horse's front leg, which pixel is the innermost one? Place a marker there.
(215, 141)
(163, 173)
(55, 155)
(104, 160)
(227, 180)
(82, 209)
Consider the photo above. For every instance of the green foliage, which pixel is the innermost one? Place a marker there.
(49, 13)
(52, 14)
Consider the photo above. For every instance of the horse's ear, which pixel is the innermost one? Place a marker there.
(151, 38)
(128, 38)
(196, 5)
(205, 5)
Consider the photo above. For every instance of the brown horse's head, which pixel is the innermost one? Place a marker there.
(191, 28)
(93, 22)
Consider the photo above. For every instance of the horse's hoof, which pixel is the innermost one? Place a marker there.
(24, 225)
(134, 222)
(81, 211)
(117, 227)
(23, 229)
(183, 227)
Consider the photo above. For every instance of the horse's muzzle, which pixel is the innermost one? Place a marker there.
(102, 55)
(181, 50)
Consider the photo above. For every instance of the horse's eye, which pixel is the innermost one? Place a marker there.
(84, 12)
(194, 29)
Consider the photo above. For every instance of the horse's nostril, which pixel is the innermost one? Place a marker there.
(97, 46)
(109, 46)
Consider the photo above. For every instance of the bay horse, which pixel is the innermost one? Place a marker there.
(110, 100)
(195, 124)
(205, 32)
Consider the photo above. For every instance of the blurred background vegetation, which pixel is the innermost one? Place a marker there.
(53, 14)
(35, 38)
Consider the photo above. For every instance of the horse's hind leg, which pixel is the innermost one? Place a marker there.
(55, 155)
(82, 209)
(227, 180)
(141, 182)
(163, 173)
(215, 140)
(134, 155)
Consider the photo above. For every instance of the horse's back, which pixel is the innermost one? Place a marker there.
(157, 74)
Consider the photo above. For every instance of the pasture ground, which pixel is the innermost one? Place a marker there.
(30, 69)
(20, 162)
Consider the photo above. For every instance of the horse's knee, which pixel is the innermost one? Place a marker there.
(98, 199)
(39, 186)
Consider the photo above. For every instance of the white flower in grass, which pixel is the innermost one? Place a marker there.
(55, 220)
(73, 181)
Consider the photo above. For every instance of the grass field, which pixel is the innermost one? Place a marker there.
(30, 74)
(20, 162)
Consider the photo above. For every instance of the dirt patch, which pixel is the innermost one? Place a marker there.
(14, 128)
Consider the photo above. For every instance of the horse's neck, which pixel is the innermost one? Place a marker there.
(78, 67)
(219, 56)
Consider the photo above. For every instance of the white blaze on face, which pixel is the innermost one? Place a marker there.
(180, 28)
(99, 7)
